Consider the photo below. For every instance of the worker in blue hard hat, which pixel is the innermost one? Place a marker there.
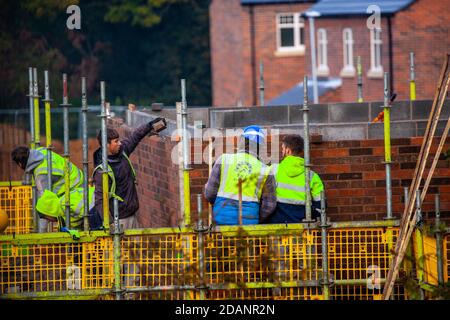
(242, 176)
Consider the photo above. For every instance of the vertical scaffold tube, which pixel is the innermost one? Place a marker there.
(117, 280)
(29, 177)
(261, 83)
(419, 240)
(412, 78)
(324, 225)
(30, 96)
(37, 132)
(180, 163)
(359, 72)
(306, 151)
(387, 145)
(439, 244)
(48, 129)
(65, 106)
(407, 263)
(186, 155)
(84, 111)
(201, 247)
(105, 187)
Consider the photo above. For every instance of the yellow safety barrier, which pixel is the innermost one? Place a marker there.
(55, 269)
(251, 262)
(16, 202)
(238, 263)
(430, 260)
(446, 258)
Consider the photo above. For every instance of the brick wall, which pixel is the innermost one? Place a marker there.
(226, 43)
(354, 177)
(353, 173)
(372, 87)
(157, 178)
(422, 27)
(11, 137)
(232, 57)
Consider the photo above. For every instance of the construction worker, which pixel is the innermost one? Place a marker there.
(290, 184)
(51, 207)
(34, 161)
(122, 176)
(243, 168)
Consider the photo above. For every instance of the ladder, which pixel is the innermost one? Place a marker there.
(408, 220)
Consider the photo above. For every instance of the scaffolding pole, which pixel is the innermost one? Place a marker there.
(306, 151)
(84, 111)
(412, 77)
(186, 156)
(360, 81)
(30, 97)
(439, 241)
(66, 155)
(116, 250)
(37, 132)
(105, 187)
(201, 248)
(387, 145)
(48, 129)
(29, 177)
(261, 83)
(324, 225)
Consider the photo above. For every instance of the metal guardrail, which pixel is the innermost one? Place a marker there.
(226, 262)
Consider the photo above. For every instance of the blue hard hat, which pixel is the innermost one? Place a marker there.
(254, 133)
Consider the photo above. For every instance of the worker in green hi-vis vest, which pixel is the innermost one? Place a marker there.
(51, 207)
(34, 161)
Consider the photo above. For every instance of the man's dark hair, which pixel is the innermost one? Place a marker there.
(20, 156)
(111, 134)
(293, 142)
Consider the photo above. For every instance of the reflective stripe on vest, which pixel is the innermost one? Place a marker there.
(77, 205)
(249, 169)
(75, 174)
(292, 193)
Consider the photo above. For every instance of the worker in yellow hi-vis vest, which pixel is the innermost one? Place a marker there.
(290, 184)
(34, 161)
(51, 207)
(245, 171)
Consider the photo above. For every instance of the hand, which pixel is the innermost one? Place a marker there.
(157, 125)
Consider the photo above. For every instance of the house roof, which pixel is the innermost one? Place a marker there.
(294, 96)
(244, 2)
(358, 7)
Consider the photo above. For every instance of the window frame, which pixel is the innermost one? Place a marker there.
(322, 53)
(376, 70)
(298, 23)
(348, 69)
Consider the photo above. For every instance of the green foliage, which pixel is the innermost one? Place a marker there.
(140, 13)
(140, 48)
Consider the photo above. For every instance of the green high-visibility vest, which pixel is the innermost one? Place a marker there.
(112, 189)
(244, 168)
(77, 206)
(292, 190)
(75, 174)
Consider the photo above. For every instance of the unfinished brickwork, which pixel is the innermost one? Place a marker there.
(353, 173)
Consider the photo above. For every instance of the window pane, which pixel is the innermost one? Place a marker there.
(287, 37)
(301, 34)
(286, 19)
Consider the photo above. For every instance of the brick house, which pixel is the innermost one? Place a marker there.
(276, 32)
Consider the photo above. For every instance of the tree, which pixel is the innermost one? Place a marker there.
(140, 48)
